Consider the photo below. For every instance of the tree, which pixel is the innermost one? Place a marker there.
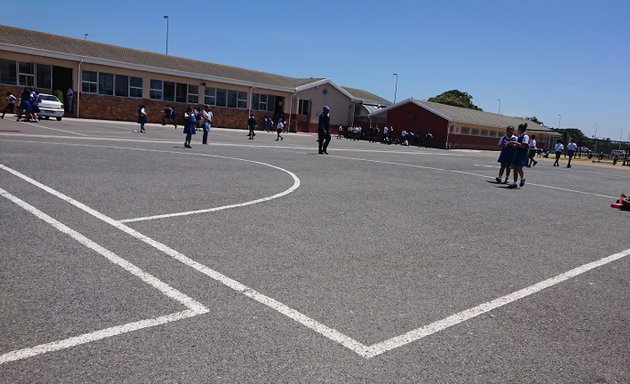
(535, 120)
(455, 98)
(574, 133)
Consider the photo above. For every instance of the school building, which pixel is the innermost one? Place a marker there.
(110, 82)
(455, 127)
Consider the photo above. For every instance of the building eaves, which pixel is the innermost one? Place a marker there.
(367, 97)
(12, 38)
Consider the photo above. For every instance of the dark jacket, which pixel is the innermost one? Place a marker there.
(324, 122)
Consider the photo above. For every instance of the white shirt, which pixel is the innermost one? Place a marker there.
(559, 147)
(571, 146)
(532, 144)
(207, 115)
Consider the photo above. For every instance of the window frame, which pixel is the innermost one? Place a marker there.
(26, 75)
(89, 82)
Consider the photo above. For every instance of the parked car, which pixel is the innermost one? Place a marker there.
(50, 106)
(584, 150)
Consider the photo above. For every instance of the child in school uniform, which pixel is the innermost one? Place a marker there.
(279, 129)
(520, 159)
(507, 154)
(189, 126)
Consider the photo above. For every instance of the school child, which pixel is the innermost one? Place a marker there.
(559, 147)
(189, 126)
(279, 129)
(25, 105)
(507, 154)
(251, 124)
(10, 104)
(520, 159)
(142, 117)
(169, 114)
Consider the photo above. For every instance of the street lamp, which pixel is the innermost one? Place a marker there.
(166, 17)
(499, 100)
(85, 36)
(396, 88)
(559, 119)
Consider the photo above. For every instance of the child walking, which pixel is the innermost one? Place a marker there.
(279, 129)
(507, 154)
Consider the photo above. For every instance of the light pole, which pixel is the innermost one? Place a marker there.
(499, 100)
(559, 119)
(595, 137)
(85, 36)
(395, 88)
(166, 17)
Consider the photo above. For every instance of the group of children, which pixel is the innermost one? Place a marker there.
(269, 127)
(514, 155)
(28, 107)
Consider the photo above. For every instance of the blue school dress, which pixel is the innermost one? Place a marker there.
(189, 125)
(508, 152)
(521, 157)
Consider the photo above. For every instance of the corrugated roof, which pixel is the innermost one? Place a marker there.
(470, 116)
(24, 38)
(367, 97)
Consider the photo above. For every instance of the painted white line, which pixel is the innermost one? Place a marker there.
(469, 174)
(296, 185)
(296, 181)
(460, 317)
(109, 255)
(294, 315)
(25, 353)
(39, 125)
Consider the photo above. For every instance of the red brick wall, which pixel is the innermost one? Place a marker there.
(412, 118)
(473, 142)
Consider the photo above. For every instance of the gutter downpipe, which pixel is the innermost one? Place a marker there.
(291, 110)
(448, 124)
(78, 93)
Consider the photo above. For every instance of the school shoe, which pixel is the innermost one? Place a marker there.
(498, 180)
(534, 164)
(569, 166)
(522, 182)
(512, 186)
(505, 181)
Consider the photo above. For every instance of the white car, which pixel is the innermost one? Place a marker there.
(50, 106)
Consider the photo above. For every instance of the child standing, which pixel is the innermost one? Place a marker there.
(520, 159)
(189, 126)
(507, 154)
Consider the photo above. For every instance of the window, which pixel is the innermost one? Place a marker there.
(474, 131)
(26, 74)
(210, 96)
(44, 76)
(242, 100)
(135, 87)
(105, 83)
(122, 85)
(231, 99)
(155, 92)
(465, 131)
(193, 94)
(180, 92)
(484, 132)
(221, 98)
(169, 91)
(89, 82)
(304, 107)
(271, 103)
(8, 72)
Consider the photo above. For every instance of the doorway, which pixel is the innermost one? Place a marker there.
(62, 80)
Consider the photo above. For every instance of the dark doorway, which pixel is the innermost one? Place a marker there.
(62, 80)
(278, 108)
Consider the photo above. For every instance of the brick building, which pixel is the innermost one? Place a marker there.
(455, 127)
(110, 82)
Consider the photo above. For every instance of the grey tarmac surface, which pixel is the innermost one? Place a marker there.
(306, 255)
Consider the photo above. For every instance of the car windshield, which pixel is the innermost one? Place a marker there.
(49, 98)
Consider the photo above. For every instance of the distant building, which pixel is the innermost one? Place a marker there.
(455, 127)
(110, 81)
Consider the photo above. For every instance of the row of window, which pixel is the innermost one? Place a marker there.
(475, 131)
(103, 83)
(25, 74)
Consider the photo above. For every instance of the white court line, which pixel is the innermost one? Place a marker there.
(57, 129)
(194, 307)
(94, 336)
(332, 334)
(460, 317)
(296, 180)
(469, 174)
(291, 313)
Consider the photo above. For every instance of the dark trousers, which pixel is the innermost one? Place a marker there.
(557, 158)
(323, 140)
(9, 108)
(571, 154)
(205, 137)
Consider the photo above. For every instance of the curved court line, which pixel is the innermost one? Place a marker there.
(296, 180)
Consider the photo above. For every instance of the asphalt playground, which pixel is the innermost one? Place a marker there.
(127, 258)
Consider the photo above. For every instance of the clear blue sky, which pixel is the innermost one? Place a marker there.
(539, 57)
